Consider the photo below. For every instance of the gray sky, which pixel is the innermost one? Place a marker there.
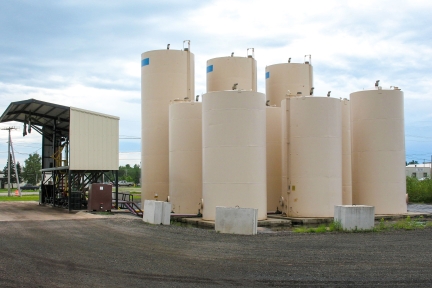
(86, 54)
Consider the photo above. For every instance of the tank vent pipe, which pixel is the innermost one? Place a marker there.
(188, 92)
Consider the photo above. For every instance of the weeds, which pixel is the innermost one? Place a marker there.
(404, 224)
(320, 229)
(382, 224)
(419, 191)
(335, 226)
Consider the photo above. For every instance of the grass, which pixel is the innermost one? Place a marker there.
(22, 198)
(180, 224)
(404, 224)
(320, 229)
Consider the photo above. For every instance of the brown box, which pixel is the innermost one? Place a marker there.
(100, 197)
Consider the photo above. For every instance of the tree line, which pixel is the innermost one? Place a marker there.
(31, 174)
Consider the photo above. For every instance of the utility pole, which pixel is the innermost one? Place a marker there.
(9, 162)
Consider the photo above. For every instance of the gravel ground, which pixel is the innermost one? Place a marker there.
(422, 208)
(125, 252)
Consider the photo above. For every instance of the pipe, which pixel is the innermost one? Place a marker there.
(185, 215)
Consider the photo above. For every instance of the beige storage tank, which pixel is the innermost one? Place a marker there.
(185, 156)
(274, 158)
(314, 152)
(346, 154)
(292, 77)
(224, 72)
(284, 154)
(378, 150)
(165, 75)
(234, 151)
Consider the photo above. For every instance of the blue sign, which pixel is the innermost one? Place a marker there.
(145, 62)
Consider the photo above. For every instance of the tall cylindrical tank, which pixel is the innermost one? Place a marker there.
(185, 156)
(346, 154)
(224, 72)
(292, 77)
(274, 158)
(285, 145)
(234, 151)
(378, 150)
(165, 75)
(314, 144)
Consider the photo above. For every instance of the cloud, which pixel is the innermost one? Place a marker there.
(86, 54)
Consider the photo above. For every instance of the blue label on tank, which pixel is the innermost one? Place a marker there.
(145, 62)
(209, 68)
(267, 75)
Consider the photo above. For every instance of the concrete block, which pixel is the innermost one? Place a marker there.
(236, 220)
(152, 212)
(166, 213)
(352, 217)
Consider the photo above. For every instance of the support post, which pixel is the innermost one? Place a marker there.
(9, 164)
(70, 190)
(116, 189)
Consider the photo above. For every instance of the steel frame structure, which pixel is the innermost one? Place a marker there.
(60, 187)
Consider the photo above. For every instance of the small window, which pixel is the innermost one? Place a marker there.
(425, 174)
(414, 174)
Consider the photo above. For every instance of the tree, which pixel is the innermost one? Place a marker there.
(412, 162)
(130, 174)
(33, 165)
(136, 173)
(13, 176)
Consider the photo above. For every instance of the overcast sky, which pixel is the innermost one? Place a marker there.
(87, 54)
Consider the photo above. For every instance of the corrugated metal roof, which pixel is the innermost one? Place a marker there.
(42, 113)
(39, 113)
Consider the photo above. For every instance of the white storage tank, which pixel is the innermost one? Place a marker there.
(292, 77)
(224, 72)
(274, 157)
(378, 150)
(165, 75)
(185, 156)
(234, 151)
(346, 154)
(314, 156)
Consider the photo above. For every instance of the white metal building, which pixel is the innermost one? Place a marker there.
(418, 171)
(78, 147)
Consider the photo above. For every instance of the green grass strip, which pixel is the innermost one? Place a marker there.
(17, 198)
(404, 224)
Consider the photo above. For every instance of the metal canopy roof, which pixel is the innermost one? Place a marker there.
(38, 113)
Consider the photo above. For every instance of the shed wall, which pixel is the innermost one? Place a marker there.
(94, 141)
